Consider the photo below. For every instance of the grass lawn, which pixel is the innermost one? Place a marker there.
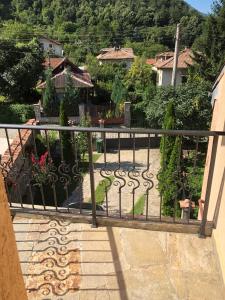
(100, 190)
(139, 206)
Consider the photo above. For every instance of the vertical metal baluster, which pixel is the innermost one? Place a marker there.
(9, 195)
(34, 142)
(105, 164)
(178, 174)
(148, 166)
(20, 196)
(9, 146)
(31, 195)
(194, 170)
(75, 162)
(21, 143)
(23, 157)
(50, 161)
(163, 170)
(133, 192)
(92, 179)
(63, 163)
(119, 162)
(202, 232)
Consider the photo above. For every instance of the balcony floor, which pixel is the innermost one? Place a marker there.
(62, 260)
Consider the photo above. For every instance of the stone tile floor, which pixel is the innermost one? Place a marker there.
(67, 261)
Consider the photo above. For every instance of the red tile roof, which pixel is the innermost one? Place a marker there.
(112, 53)
(82, 80)
(151, 61)
(53, 62)
(185, 59)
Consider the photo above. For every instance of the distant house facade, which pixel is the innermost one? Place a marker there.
(163, 65)
(116, 55)
(60, 66)
(52, 47)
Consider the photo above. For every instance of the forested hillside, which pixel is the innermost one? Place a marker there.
(87, 25)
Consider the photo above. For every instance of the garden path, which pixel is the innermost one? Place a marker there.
(126, 191)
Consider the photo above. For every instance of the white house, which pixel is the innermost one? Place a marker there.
(163, 65)
(54, 48)
(116, 55)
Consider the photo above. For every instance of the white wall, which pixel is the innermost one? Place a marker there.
(165, 77)
(55, 49)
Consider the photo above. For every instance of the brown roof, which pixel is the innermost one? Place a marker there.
(185, 59)
(112, 53)
(80, 80)
(166, 53)
(53, 62)
(151, 61)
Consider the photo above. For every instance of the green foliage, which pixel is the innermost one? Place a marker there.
(139, 206)
(191, 100)
(138, 78)
(167, 142)
(146, 48)
(98, 24)
(82, 138)
(50, 103)
(71, 96)
(211, 44)
(104, 76)
(66, 142)
(101, 190)
(118, 93)
(20, 68)
(15, 113)
(171, 181)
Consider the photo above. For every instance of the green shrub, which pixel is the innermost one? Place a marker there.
(15, 113)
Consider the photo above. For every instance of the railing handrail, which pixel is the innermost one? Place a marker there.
(115, 130)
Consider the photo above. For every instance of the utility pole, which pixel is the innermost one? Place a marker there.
(176, 55)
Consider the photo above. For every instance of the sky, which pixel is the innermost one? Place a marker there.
(201, 5)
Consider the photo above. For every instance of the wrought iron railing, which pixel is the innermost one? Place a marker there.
(53, 168)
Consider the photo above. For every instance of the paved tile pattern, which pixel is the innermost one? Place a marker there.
(130, 181)
(116, 263)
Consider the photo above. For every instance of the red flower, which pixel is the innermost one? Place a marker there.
(33, 159)
(43, 158)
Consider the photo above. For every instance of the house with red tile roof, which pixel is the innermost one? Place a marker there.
(116, 55)
(60, 66)
(163, 65)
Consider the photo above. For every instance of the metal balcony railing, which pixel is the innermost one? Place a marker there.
(138, 175)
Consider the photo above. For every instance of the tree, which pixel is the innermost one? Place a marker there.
(171, 183)
(138, 78)
(82, 138)
(71, 96)
(210, 54)
(170, 151)
(118, 93)
(20, 69)
(191, 100)
(49, 97)
(66, 143)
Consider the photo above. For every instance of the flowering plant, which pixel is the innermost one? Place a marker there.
(40, 168)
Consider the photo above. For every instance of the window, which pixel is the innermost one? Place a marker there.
(183, 78)
(50, 45)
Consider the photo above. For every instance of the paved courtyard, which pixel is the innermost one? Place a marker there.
(131, 181)
(66, 261)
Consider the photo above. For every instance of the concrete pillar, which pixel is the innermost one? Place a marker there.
(37, 111)
(127, 114)
(81, 110)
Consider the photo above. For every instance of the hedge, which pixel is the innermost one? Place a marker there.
(15, 113)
